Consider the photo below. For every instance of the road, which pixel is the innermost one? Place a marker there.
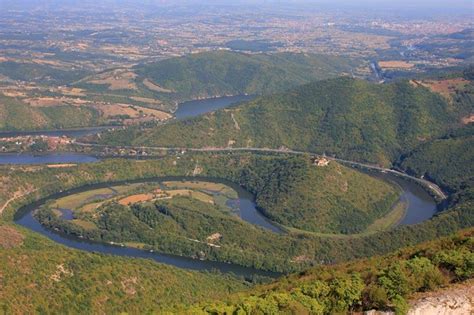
(430, 185)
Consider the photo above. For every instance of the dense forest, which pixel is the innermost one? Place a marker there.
(381, 283)
(289, 190)
(316, 248)
(41, 276)
(447, 160)
(219, 73)
(345, 117)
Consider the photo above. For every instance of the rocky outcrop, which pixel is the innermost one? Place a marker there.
(456, 300)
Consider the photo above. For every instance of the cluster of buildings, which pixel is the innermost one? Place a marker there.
(40, 142)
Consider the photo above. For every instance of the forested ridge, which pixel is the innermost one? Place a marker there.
(219, 73)
(345, 117)
(381, 283)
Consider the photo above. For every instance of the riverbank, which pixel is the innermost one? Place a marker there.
(248, 213)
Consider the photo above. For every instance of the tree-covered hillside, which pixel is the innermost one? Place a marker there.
(447, 161)
(16, 115)
(380, 283)
(348, 118)
(39, 73)
(219, 73)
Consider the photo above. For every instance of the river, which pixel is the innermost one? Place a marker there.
(199, 107)
(185, 110)
(420, 204)
(247, 212)
(420, 207)
(48, 158)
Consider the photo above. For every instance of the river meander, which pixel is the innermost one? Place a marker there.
(420, 207)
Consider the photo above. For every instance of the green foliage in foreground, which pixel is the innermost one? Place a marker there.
(349, 118)
(382, 283)
(16, 115)
(40, 276)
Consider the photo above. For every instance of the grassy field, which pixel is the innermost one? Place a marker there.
(77, 200)
(202, 185)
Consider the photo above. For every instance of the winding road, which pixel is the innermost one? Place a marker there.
(430, 185)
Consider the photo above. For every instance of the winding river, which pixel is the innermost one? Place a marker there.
(420, 207)
(185, 110)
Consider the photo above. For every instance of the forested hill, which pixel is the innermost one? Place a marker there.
(346, 117)
(219, 73)
(380, 283)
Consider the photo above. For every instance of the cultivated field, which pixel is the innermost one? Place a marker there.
(395, 64)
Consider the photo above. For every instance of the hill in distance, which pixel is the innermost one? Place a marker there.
(213, 74)
(345, 117)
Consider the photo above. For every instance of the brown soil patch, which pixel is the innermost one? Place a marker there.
(214, 237)
(145, 100)
(13, 93)
(468, 119)
(136, 198)
(128, 285)
(10, 237)
(395, 64)
(61, 272)
(445, 87)
(117, 80)
(155, 87)
(44, 101)
(132, 111)
(72, 91)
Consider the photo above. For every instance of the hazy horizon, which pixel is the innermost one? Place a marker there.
(427, 4)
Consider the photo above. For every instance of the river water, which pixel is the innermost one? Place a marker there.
(420, 207)
(185, 110)
(199, 107)
(247, 211)
(49, 158)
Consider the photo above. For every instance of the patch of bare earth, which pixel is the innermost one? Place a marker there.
(60, 273)
(136, 198)
(129, 285)
(116, 80)
(155, 87)
(468, 119)
(146, 100)
(132, 111)
(444, 87)
(10, 237)
(395, 64)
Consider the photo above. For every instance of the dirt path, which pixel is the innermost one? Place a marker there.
(16, 195)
